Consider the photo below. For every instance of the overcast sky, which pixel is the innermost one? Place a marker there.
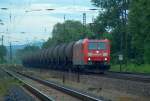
(38, 25)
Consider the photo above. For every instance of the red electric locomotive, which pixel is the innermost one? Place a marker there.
(92, 54)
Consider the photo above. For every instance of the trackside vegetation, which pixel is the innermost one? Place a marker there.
(6, 82)
(3, 52)
(144, 68)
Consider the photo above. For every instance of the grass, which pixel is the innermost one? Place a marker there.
(5, 84)
(144, 68)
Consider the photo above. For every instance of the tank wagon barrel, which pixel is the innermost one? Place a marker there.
(61, 55)
(49, 55)
(69, 52)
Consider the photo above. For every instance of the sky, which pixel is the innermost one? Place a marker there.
(28, 21)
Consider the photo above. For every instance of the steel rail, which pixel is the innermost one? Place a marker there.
(33, 90)
(139, 77)
(128, 76)
(69, 91)
(132, 73)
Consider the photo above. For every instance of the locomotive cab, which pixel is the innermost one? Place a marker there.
(98, 53)
(92, 54)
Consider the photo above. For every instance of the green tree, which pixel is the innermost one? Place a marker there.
(68, 31)
(50, 42)
(139, 28)
(113, 18)
(3, 52)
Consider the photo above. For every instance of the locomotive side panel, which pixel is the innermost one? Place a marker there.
(78, 55)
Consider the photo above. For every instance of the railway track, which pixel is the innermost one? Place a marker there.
(145, 78)
(76, 95)
(140, 74)
(41, 96)
(139, 77)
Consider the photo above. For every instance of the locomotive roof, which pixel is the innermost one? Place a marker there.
(98, 40)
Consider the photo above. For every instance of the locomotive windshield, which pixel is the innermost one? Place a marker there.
(97, 46)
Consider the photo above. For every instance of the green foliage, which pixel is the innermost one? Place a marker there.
(132, 68)
(139, 24)
(130, 35)
(112, 19)
(68, 31)
(108, 36)
(147, 53)
(6, 81)
(5, 84)
(49, 43)
(3, 52)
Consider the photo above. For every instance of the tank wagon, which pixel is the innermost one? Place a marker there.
(84, 54)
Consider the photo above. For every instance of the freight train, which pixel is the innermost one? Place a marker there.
(85, 54)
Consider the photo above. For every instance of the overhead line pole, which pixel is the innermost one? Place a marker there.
(84, 19)
(10, 47)
(84, 24)
(2, 40)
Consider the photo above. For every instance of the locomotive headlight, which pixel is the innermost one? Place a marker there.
(89, 59)
(97, 51)
(105, 59)
(105, 54)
